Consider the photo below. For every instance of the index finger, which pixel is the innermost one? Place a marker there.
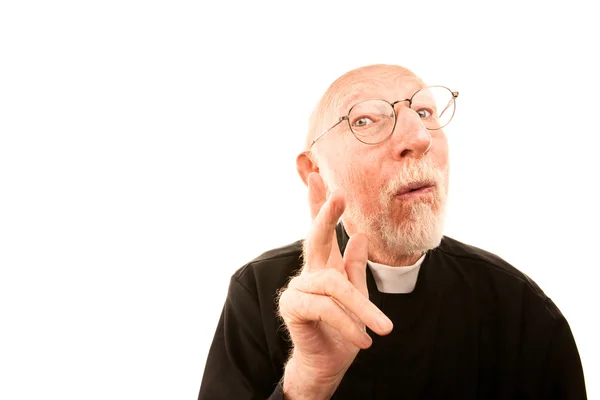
(317, 195)
(319, 244)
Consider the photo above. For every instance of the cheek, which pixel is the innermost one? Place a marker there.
(439, 155)
(440, 152)
(363, 186)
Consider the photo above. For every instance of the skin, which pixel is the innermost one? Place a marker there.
(326, 307)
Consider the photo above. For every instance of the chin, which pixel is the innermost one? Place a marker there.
(416, 230)
(403, 228)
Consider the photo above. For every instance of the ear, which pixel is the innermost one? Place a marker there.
(305, 165)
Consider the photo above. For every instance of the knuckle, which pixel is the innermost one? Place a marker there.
(294, 305)
(332, 211)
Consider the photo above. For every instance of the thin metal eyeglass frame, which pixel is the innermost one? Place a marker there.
(347, 117)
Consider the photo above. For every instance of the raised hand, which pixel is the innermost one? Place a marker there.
(327, 307)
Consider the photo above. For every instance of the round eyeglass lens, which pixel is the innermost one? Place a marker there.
(372, 121)
(435, 105)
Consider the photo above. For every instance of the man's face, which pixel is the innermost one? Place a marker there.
(375, 177)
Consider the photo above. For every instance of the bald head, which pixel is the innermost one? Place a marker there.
(350, 88)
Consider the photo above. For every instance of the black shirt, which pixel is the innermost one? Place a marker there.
(473, 328)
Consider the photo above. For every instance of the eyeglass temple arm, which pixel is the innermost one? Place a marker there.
(454, 96)
(336, 124)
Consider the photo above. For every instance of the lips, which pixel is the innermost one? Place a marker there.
(415, 186)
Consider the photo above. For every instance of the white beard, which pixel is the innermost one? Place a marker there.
(422, 226)
(423, 232)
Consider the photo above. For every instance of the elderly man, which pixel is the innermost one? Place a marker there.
(376, 303)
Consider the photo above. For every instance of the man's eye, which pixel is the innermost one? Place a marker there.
(423, 113)
(364, 121)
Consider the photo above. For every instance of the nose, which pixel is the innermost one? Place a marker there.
(410, 137)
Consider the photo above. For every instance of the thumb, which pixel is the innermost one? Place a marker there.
(355, 262)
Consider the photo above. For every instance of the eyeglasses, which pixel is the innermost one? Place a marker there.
(373, 121)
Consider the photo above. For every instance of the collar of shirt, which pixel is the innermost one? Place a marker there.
(395, 279)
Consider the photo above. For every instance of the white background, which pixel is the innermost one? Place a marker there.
(147, 151)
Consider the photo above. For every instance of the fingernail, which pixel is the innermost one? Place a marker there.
(384, 323)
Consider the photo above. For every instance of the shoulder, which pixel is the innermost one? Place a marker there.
(478, 262)
(496, 280)
(271, 270)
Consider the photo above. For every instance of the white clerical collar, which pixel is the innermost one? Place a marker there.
(395, 279)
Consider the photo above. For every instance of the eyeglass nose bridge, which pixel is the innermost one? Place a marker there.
(394, 108)
(395, 116)
(400, 101)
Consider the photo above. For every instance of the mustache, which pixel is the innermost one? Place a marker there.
(414, 173)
